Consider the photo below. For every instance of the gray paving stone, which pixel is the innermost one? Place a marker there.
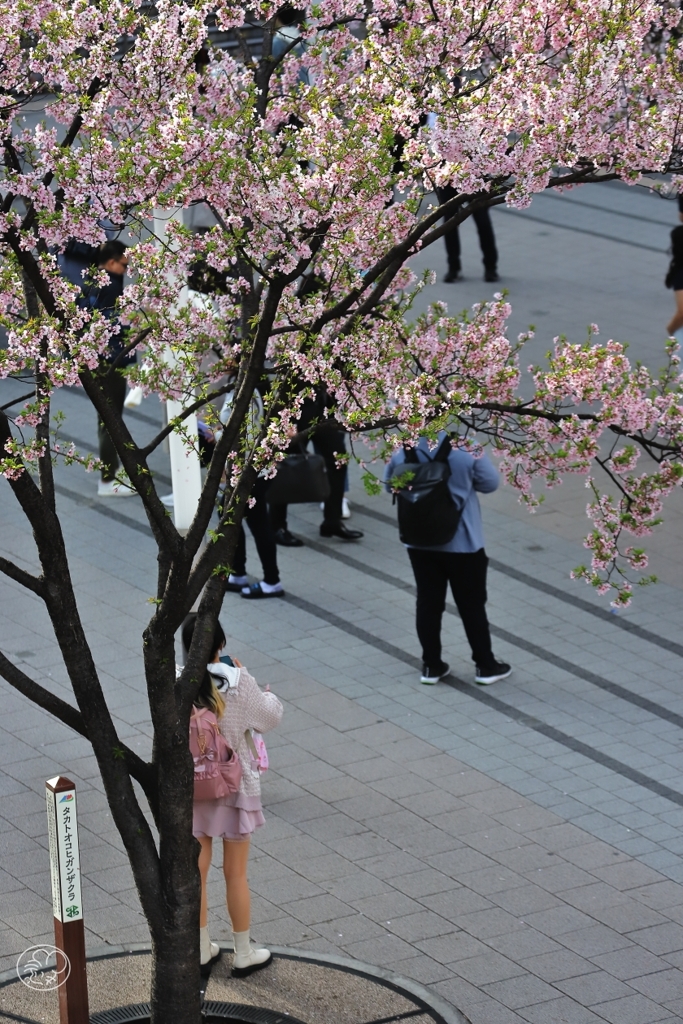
(558, 920)
(555, 1010)
(594, 940)
(523, 990)
(421, 969)
(634, 1009)
(450, 949)
(524, 899)
(387, 906)
(317, 909)
(625, 916)
(388, 947)
(356, 886)
(456, 902)
(558, 966)
(350, 928)
(659, 939)
(421, 925)
(664, 987)
(487, 968)
(631, 962)
(596, 987)
(463, 860)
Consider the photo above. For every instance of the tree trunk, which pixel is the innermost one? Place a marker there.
(174, 920)
(175, 924)
(175, 965)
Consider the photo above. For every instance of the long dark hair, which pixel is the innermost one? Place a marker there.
(676, 255)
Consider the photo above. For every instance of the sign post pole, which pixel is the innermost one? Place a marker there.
(65, 870)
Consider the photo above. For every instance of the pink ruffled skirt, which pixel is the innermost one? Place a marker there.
(233, 817)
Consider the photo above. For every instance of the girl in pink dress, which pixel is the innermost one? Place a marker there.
(247, 708)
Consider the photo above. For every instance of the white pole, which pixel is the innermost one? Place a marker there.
(185, 468)
(186, 474)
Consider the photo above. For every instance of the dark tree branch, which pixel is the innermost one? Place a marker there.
(60, 603)
(32, 583)
(15, 401)
(70, 716)
(187, 411)
(127, 349)
(133, 462)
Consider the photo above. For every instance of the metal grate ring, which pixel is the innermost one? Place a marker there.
(236, 1013)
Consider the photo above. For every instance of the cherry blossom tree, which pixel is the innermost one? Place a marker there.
(318, 162)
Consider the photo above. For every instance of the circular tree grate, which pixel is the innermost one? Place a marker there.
(220, 1013)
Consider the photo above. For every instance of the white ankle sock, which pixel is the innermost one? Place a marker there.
(242, 944)
(204, 944)
(238, 579)
(270, 588)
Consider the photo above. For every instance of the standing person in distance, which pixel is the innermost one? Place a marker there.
(674, 280)
(487, 241)
(111, 257)
(330, 442)
(233, 819)
(460, 562)
(482, 220)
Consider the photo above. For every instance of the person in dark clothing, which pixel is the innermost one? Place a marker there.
(257, 519)
(674, 280)
(112, 257)
(329, 442)
(460, 564)
(487, 240)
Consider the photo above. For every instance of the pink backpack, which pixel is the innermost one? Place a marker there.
(217, 770)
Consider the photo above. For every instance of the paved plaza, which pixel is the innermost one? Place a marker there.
(515, 848)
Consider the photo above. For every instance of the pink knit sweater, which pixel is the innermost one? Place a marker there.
(248, 707)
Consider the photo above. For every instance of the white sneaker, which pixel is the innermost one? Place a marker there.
(113, 489)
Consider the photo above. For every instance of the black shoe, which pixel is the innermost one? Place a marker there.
(493, 673)
(235, 588)
(452, 275)
(339, 530)
(491, 275)
(286, 539)
(431, 674)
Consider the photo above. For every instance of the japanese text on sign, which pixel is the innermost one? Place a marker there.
(64, 857)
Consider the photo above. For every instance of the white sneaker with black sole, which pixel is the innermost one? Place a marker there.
(492, 673)
(431, 674)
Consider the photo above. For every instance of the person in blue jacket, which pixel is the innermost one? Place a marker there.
(462, 563)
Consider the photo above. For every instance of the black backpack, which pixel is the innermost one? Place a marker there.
(427, 514)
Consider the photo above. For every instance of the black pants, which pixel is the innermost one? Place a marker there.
(258, 521)
(487, 241)
(329, 443)
(466, 574)
(116, 392)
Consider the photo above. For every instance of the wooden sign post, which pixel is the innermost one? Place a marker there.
(65, 869)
